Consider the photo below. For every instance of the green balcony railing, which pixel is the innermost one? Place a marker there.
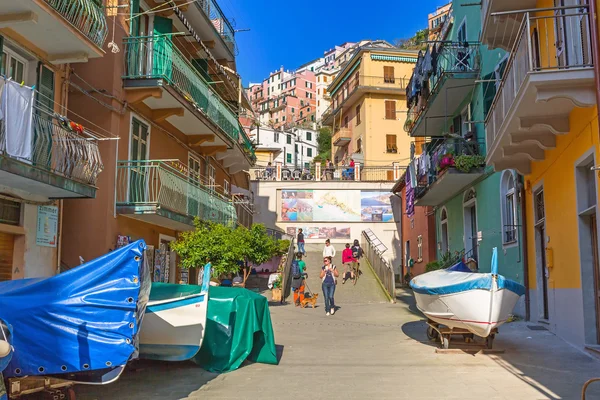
(157, 57)
(159, 183)
(85, 15)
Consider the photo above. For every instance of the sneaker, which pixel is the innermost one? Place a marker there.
(343, 281)
(332, 311)
(327, 313)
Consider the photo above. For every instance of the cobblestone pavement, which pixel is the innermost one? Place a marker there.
(370, 349)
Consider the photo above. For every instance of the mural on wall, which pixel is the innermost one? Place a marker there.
(335, 206)
(376, 207)
(312, 232)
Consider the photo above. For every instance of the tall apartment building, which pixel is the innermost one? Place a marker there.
(296, 147)
(369, 107)
(45, 156)
(436, 20)
(172, 97)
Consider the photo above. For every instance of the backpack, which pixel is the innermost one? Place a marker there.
(296, 270)
(356, 252)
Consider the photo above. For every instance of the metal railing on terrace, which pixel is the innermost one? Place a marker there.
(321, 173)
(212, 10)
(59, 150)
(452, 59)
(374, 249)
(157, 57)
(159, 183)
(85, 16)
(444, 153)
(554, 42)
(341, 94)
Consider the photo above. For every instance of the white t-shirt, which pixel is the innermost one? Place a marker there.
(329, 251)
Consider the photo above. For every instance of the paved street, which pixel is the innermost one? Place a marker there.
(371, 349)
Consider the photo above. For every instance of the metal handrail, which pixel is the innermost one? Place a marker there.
(211, 9)
(85, 16)
(373, 250)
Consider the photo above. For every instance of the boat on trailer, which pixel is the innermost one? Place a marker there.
(466, 302)
(175, 320)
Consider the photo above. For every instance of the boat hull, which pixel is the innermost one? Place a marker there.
(479, 311)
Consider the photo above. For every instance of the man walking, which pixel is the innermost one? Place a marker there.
(300, 241)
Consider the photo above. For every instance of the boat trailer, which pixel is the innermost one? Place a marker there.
(50, 388)
(437, 331)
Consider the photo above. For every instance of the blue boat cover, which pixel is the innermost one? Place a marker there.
(6, 335)
(83, 320)
(456, 280)
(459, 267)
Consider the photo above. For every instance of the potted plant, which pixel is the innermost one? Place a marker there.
(446, 162)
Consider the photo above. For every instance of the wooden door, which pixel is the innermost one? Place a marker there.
(7, 245)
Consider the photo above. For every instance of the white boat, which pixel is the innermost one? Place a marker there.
(460, 299)
(175, 320)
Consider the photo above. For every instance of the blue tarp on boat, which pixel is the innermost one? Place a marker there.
(80, 321)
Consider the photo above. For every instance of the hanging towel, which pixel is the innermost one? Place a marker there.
(17, 110)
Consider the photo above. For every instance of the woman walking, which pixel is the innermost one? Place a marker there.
(328, 250)
(329, 273)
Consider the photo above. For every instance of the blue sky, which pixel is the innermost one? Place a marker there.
(291, 33)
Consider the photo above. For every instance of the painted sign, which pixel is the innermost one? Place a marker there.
(335, 206)
(315, 232)
(47, 226)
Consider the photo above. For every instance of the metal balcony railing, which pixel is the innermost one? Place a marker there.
(212, 10)
(157, 57)
(322, 173)
(85, 16)
(556, 42)
(373, 252)
(160, 183)
(60, 150)
(342, 93)
(441, 154)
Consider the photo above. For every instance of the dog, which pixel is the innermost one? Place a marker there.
(310, 300)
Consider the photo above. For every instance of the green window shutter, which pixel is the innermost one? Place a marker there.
(135, 22)
(289, 157)
(163, 48)
(45, 85)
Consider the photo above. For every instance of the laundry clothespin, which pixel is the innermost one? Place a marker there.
(22, 83)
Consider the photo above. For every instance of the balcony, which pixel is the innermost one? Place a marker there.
(450, 82)
(342, 137)
(159, 75)
(214, 26)
(65, 31)
(161, 192)
(346, 96)
(501, 20)
(63, 164)
(454, 164)
(544, 80)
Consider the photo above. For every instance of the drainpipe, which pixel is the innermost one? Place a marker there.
(525, 254)
(595, 53)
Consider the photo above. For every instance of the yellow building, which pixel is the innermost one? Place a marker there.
(368, 107)
(544, 123)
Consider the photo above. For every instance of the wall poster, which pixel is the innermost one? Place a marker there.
(315, 232)
(47, 226)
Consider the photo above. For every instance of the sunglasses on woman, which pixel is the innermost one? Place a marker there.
(325, 260)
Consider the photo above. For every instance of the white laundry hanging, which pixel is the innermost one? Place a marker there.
(17, 110)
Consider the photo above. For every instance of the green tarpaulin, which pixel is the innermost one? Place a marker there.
(238, 328)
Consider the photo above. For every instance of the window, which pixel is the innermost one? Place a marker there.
(318, 91)
(10, 212)
(359, 145)
(312, 118)
(308, 135)
(444, 245)
(289, 139)
(358, 115)
(390, 109)
(276, 137)
(13, 66)
(301, 113)
(293, 110)
(309, 151)
(509, 207)
(288, 158)
(45, 94)
(211, 177)
(324, 79)
(308, 110)
(346, 121)
(420, 248)
(388, 74)
(276, 120)
(296, 148)
(139, 140)
(283, 118)
(390, 144)
(462, 31)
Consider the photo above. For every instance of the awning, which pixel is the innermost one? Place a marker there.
(346, 76)
(381, 57)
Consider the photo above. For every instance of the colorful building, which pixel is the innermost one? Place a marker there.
(296, 147)
(368, 107)
(543, 122)
(47, 154)
(437, 19)
(174, 101)
(450, 95)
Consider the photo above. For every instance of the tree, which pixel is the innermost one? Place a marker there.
(417, 42)
(324, 144)
(227, 249)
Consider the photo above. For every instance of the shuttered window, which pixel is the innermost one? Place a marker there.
(10, 212)
(388, 74)
(45, 95)
(390, 143)
(390, 109)
(7, 245)
(358, 115)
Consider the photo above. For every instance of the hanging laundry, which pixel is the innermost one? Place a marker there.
(17, 110)
(410, 195)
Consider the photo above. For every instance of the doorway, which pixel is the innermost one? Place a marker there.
(445, 246)
(540, 246)
(470, 225)
(167, 259)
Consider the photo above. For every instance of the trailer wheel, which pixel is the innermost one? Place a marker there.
(489, 341)
(432, 334)
(445, 341)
